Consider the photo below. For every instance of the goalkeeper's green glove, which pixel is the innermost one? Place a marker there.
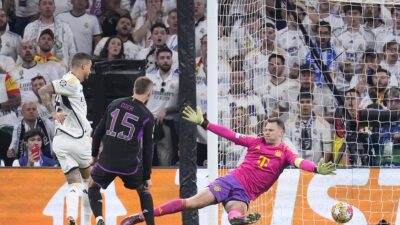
(192, 116)
(325, 168)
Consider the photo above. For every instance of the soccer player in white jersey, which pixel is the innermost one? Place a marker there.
(10, 40)
(86, 28)
(72, 142)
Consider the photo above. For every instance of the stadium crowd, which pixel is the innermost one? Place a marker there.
(266, 70)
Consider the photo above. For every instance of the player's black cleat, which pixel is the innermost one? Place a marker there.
(249, 219)
(100, 222)
(134, 219)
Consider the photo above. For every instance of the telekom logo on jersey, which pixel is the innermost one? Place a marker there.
(298, 195)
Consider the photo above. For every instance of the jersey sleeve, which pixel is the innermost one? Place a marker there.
(237, 138)
(66, 87)
(148, 129)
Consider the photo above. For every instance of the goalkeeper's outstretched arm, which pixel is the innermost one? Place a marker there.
(322, 167)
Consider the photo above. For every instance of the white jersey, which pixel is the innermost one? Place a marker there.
(23, 77)
(84, 28)
(227, 48)
(7, 118)
(354, 44)
(140, 9)
(64, 47)
(320, 136)
(291, 41)
(6, 63)
(10, 43)
(172, 42)
(200, 29)
(165, 92)
(130, 49)
(334, 20)
(62, 6)
(58, 69)
(387, 34)
(25, 8)
(272, 94)
(70, 100)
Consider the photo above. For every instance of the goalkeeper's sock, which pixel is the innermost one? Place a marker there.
(146, 202)
(173, 206)
(235, 213)
(72, 200)
(96, 201)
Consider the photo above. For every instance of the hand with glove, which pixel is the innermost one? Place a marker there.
(192, 116)
(325, 168)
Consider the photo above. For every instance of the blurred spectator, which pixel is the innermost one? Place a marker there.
(345, 78)
(291, 39)
(391, 33)
(10, 41)
(239, 97)
(389, 134)
(6, 62)
(252, 38)
(391, 61)
(34, 138)
(159, 38)
(143, 25)
(200, 26)
(353, 38)
(86, 28)
(327, 52)
(317, 15)
(124, 27)
(373, 20)
(255, 62)
(113, 49)
(111, 12)
(310, 133)
(227, 49)
(23, 73)
(378, 82)
(30, 120)
(324, 105)
(350, 144)
(172, 41)
(139, 9)
(163, 104)
(64, 47)
(10, 99)
(275, 84)
(26, 11)
(37, 83)
(45, 57)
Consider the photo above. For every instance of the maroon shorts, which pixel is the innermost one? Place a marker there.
(227, 188)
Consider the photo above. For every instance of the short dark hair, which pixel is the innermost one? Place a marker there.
(172, 11)
(79, 58)
(142, 85)
(163, 49)
(266, 25)
(352, 6)
(278, 121)
(125, 16)
(305, 95)
(48, 32)
(324, 24)
(387, 44)
(381, 70)
(38, 78)
(352, 90)
(33, 132)
(273, 55)
(158, 25)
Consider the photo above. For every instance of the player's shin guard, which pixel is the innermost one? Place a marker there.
(146, 201)
(72, 200)
(173, 206)
(235, 213)
(96, 202)
(86, 212)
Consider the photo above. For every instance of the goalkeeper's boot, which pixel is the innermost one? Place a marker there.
(71, 221)
(249, 219)
(133, 219)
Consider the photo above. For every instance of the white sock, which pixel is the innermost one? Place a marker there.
(98, 218)
(72, 199)
(86, 211)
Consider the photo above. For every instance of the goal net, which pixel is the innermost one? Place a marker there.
(315, 64)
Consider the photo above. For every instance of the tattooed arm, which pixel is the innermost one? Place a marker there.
(45, 94)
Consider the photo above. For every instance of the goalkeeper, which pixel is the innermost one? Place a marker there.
(266, 159)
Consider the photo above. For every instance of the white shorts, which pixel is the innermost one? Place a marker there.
(72, 152)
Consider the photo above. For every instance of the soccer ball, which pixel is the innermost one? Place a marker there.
(342, 212)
